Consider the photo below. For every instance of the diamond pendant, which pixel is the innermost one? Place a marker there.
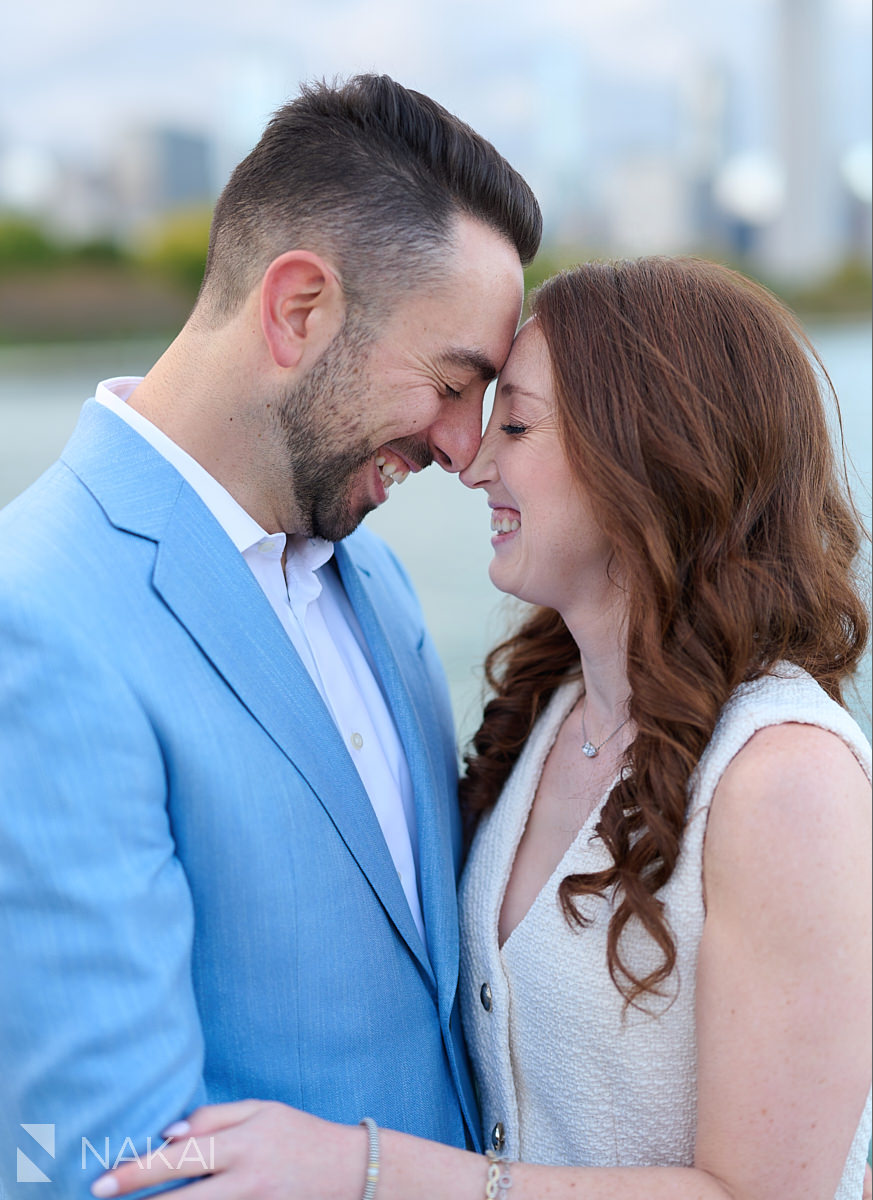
(589, 750)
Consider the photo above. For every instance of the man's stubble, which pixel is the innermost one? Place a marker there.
(321, 420)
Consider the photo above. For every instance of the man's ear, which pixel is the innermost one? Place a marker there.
(302, 307)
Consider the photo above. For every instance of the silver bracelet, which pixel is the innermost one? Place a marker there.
(372, 1157)
(499, 1182)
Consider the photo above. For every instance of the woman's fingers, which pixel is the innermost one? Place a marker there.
(199, 1145)
(177, 1158)
(248, 1150)
(210, 1188)
(212, 1117)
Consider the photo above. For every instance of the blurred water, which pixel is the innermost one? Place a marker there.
(439, 529)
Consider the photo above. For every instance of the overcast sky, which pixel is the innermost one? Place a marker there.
(75, 76)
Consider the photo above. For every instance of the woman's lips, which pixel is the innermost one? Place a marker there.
(505, 520)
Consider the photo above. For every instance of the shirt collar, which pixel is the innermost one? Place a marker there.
(242, 529)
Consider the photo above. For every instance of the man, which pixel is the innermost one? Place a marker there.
(229, 836)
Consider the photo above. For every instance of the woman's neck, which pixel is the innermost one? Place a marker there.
(600, 635)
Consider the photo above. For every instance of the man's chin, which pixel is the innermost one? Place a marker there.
(337, 524)
(337, 532)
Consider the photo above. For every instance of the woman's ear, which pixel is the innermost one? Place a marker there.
(302, 307)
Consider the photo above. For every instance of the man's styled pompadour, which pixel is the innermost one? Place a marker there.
(370, 175)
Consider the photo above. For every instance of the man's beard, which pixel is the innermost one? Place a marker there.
(315, 418)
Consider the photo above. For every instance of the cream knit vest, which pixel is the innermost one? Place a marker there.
(572, 1076)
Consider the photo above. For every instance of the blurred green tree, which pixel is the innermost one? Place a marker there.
(23, 243)
(175, 246)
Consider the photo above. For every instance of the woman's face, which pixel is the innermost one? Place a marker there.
(548, 549)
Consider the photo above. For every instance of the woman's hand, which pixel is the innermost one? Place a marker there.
(261, 1150)
(251, 1150)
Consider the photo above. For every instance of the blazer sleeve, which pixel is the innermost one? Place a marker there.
(99, 1036)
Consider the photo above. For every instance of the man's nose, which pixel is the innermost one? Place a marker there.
(455, 438)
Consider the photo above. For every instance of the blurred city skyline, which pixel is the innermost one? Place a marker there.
(642, 125)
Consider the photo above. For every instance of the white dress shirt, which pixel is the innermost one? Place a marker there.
(311, 603)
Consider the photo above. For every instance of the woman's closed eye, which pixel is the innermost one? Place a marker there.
(513, 429)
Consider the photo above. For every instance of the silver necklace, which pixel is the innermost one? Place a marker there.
(588, 747)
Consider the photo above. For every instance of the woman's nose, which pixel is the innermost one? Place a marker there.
(481, 470)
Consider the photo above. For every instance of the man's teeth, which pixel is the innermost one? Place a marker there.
(505, 524)
(390, 472)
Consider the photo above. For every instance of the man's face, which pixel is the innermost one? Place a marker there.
(373, 409)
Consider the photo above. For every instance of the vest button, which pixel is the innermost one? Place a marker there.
(485, 996)
(498, 1137)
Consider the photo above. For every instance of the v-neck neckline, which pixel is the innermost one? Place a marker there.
(556, 713)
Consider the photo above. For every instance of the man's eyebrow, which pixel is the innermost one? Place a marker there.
(468, 360)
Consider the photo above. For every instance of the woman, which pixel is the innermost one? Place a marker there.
(651, 1011)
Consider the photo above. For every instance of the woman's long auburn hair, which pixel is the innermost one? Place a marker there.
(692, 415)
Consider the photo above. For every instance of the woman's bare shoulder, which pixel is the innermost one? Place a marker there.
(793, 802)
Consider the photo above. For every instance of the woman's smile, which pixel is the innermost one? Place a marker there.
(504, 522)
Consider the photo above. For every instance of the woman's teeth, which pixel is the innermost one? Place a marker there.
(504, 524)
(390, 472)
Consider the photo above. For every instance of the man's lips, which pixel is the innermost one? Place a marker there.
(390, 471)
(414, 452)
(395, 465)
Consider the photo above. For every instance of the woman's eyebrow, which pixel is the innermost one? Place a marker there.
(509, 389)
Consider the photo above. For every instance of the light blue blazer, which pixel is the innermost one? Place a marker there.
(196, 900)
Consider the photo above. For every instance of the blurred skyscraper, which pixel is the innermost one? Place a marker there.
(161, 170)
(560, 152)
(803, 240)
(642, 125)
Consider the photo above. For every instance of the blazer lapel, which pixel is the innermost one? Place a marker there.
(230, 618)
(402, 673)
(206, 584)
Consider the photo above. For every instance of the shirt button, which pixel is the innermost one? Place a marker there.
(498, 1137)
(485, 996)
(356, 740)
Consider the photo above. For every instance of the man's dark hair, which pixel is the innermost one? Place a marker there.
(370, 175)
